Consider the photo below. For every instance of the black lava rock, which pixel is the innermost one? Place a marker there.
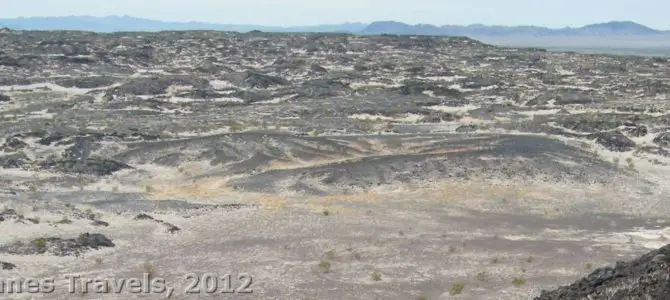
(94, 240)
(637, 130)
(16, 160)
(614, 141)
(7, 266)
(663, 139)
(13, 144)
(91, 166)
(644, 278)
(143, 216)
(58, 246)
(99, 223)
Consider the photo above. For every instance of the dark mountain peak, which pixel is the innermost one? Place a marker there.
(129, 23)
(622, 27)
(394, 27)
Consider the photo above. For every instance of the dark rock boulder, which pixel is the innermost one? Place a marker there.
(437, 117)
(323, 88)
(88, 82)
(94, 241)
(59, 246)
(7, 266)
(51, 138)
(143, 216)
(318, 69)
(643, 278)
(255, 80)
(637, 130)
(16, 160)
(155, 85)
(201, 94)
(99, 223)
(477, 82)
(91, 166)
(4, 98)
(614, 141)
(565, 96)
(466, 128)
(591, 122)
(662, 139)
(13, 144)
(9, 214)
(418, 87)
(80, 150)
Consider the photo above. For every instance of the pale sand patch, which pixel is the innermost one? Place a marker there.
(454, 109)
(50, 86)
(277, 100)
(191, 100)
(369, 117)
(372, 83)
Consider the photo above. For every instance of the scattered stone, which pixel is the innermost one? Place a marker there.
(64, 221)
(99, 223)
(15, 160)
(143, 216)
(614, 141)
(32, 220)
(637, 130)
(13, 144)
(92, 166)
(643, 278)
(9, 214)
(662, 139)
(171, 228)
(255, 80)
(7, 266)
(58, 246)
(466, 128)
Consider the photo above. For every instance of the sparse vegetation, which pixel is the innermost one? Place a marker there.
(376, 276)
(496, 260)
(40, 242)
(518, 281)
(631, 164)
(326, 212)
(456, 288)
(149, 269)
(482, 276)
(234, 126)
(324, 266)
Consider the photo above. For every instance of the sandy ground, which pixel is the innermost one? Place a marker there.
(499, 240)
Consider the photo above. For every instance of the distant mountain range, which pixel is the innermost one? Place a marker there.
(128, 23)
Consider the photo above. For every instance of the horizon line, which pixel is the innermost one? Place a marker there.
(325, 24)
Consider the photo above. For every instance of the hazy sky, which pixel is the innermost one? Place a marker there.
(551, 13)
